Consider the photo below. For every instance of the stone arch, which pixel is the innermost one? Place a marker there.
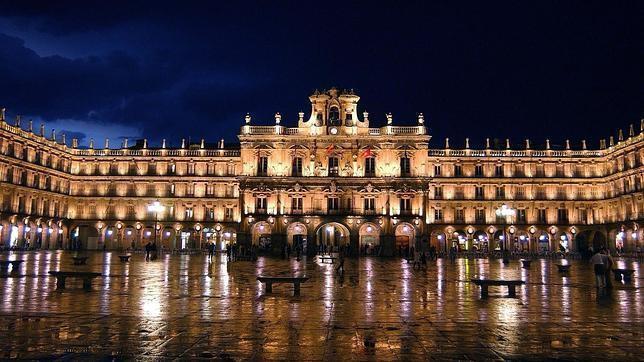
(85, 237)
(296, 233)
(437, 239)
(405, 234)
(369, 238)
(261, 235)
(168, 237)
(333, 235)
(563, 241)
(480, 241)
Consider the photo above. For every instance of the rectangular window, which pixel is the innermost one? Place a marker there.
(191, 169)
(520, 193)
(562, 216)
(478, 193)
(260, 205)
(438, 192)
(332, 203)
(370, 166)
(189, 213)
(541, 216)
(369, 204)
(521, 216)
(262, 166)
(460, 215)
(210, 213)
(228, 213)
(296, 205)
(437, 170)
(458, 170)
(405, 167)
(583, 216)
(498, 171)
(296, 168)
(478, 171)
(438, 215)
(334, 168)
(479, 216)
(500, 192)
(405, 206)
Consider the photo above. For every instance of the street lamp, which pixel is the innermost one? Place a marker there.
(156, 208)
(504, 211)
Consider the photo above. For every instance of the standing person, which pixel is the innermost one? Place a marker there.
(609, 263)
(153, 248)
(148, 249)
(423, 260)
(598, 267)
(211, 250)
(340, 262)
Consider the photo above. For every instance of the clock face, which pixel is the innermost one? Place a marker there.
(333, 130)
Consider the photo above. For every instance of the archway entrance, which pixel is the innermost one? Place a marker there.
(296, 236)
(369, 239)
(85, 237)
(332, 236)
(261, 235)
(404, 239)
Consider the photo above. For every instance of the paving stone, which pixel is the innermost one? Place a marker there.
(185, 307)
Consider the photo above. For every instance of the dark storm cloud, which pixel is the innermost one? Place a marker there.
(193, 69)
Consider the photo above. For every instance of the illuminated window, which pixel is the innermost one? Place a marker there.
(405, 167)
(459, 215)
(369, 204)
(334, 168)
(296, 167)
(478, 193)
(438, 215)
(541, 216)
(498, 171)
(333, 203)
(438, 192)
(479, 216)
(296, 204)
(437, 170)
(370, 166)
(262, 166)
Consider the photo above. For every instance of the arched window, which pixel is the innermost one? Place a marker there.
(334, 116)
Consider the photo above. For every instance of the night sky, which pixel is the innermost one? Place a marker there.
(560, 69)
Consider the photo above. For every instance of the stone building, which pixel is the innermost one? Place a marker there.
(332, 180)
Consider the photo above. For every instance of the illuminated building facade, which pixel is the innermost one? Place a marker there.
(332, 180)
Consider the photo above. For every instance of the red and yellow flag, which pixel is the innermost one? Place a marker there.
(330, 148)
(366, 153)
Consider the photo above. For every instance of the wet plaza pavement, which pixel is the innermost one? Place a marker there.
(187, 307)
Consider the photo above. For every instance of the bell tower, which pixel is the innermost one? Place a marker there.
(334, 108)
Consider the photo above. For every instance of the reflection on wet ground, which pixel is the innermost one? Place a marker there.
(188, 307)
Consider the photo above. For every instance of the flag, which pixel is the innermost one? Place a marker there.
(330, 148)
(366, 153)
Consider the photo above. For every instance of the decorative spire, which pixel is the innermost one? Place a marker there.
(63, 139)
(642, 125)
(18, 119)
(547, 144)
(31, 126)
(91, 143)
(390, 118)
(611, 141)
(163, 143)
(42, 130)
(507, 143)
(447, 142)
(145, 143)
(631, 130)
(583, 144)
(53, 134)
(487, 143)
(248, 118)
(125, 143)
(107, 143)
(203, 143)
(421, 119)
(527, 144)
(183, 143)
(567, 144)
(2, 114)
(300, 116)
(74, 142)
(467, 142)
(278, 118)
(602, 143)
(221, 144)
(365, 116)
(620, 135)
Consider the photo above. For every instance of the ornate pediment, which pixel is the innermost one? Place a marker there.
(333, 188)
(369, 188)
(261, 189)
(297, 188)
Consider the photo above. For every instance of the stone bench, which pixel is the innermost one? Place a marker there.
(563, 268)
(86, 276)
(80, 260)
(324, 258)
(525, 263)
(269, 281)
(485, 283)
(627, 274)
(4, 265)
(124, 258)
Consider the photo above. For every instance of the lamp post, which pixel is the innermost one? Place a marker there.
(156, 208)
(504, 211)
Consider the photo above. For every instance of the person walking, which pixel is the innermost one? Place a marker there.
(423, 260)
(340, 262)
(609, 263)
(598, 267)
(148, 249)
(211, 250)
